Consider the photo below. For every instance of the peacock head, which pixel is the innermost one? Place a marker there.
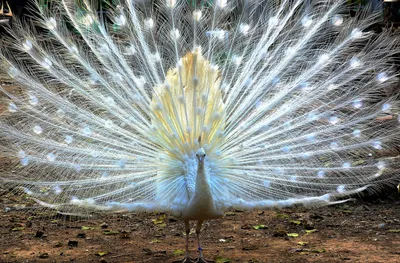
(200, 154)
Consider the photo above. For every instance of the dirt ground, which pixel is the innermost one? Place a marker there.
(359, 231)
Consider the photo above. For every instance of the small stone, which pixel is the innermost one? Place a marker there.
(279, 233)
(43, 255)
(104, 225)
(73, 243)
(247, 226)
(39, 234)
(125, 234)
(59, 244)
(250, 247)
(81, 235)
(147, 251)
(316, 217)
(308, 225)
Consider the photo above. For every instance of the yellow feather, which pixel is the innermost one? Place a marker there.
(189, 106)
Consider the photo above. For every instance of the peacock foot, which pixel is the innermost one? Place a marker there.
(187, 260)
(201, 260)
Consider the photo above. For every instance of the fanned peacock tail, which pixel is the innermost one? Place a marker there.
(292, 103)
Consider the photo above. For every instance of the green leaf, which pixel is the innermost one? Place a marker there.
(109, 232)
(292, 234)
(301, 243)
(159, 220)
(295, 222)
(260, 227)
(222, 260)
(18, 228)
(394, 230)
(284, 216)
(86, 228)
(178, 252)
(192, 232)
(102, 253)
(311, 231)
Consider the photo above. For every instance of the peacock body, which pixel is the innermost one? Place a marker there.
(193, 108)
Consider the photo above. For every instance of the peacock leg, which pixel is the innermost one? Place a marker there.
(201, 257)
(187, 229)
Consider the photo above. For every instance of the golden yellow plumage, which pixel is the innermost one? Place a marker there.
(189, 105)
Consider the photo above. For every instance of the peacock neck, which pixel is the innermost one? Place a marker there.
(202, 188)
(201, 205)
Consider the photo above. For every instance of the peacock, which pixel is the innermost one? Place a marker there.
(195, 107)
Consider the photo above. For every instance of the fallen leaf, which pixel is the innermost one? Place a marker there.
(222, 260)
(295, 222)
(159, 220)
(311, 231)
(292, 234)
(394, 230)
(178, 252)
(109, 232)
(301, 243)
(260, 227)
(284, 216)
(18, 228)
(102, 253)
(192, 231)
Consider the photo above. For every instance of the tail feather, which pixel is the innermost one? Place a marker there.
(292, 102)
